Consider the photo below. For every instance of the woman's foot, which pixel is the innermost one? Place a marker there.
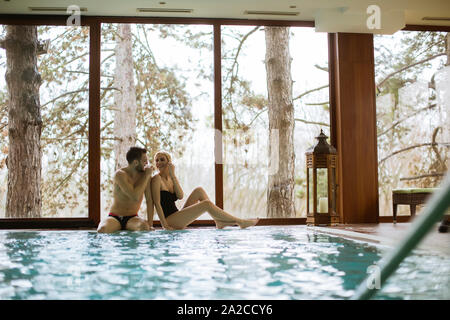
(245, 223)
(223, 224)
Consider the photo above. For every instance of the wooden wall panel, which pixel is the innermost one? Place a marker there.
(356, 139)
(94, 123)
(218, 147)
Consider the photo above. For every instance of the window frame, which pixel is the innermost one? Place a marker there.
(94, 24)
(411, 27)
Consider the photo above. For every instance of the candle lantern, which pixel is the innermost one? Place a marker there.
(321, 165)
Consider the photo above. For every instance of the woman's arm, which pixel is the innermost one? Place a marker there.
(176, 185)
(156, 188)
(150, 205)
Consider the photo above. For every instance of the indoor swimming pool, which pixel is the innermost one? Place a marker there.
(267, 262)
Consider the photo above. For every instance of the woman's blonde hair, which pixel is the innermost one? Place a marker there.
(168, 156)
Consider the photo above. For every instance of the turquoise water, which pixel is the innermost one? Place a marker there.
(288, 262)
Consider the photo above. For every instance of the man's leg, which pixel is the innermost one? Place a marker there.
(137, 224)
(108, 225)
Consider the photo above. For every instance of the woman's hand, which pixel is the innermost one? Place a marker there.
(171, 168)
(148, 170)
(167, 227)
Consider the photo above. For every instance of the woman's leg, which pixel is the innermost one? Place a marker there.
(198, 194)
(181, 219)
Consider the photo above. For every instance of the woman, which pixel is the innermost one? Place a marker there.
(166, 189)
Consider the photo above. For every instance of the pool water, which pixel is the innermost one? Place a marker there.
(267, 262)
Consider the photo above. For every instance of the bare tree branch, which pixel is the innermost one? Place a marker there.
(257, 116)
(437, 174)
(72, 92)
(85, 72)
(321, 68)
(447, 144)
(318, 103)
(146, 46)
(407, 67)
(77, 57)
(233, 73)
(71, 172)
(312, 122)
(396, 123)
(442, 165)
(309, 91)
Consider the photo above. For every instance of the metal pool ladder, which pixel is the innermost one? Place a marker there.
(435, 209)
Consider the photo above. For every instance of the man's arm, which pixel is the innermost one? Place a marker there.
(150, 205)
(133, 191)
(156, 187)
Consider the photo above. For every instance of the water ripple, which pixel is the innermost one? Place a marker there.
(260, 263)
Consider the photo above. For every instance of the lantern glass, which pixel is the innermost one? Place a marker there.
(311, 190)
(322, 190)
(333, 189)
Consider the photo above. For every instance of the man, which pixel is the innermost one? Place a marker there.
(130, 184)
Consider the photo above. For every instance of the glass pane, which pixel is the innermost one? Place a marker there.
(412, 112)
(333, 189)
(50, 179)
(311, 100)
(168, 77)
(245, 133)
(250, 151)
(311, 190)
(322, 190)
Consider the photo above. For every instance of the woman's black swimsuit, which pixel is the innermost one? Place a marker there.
(168, 202)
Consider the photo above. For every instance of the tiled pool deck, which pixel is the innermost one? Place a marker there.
(390, 234)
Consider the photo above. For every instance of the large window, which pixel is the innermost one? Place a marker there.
(248, 113)
(44, 121)
(157, 93)
(413, 113)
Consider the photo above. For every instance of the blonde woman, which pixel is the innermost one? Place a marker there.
(165, 190)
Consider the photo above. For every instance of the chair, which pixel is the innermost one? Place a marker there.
(411, 197)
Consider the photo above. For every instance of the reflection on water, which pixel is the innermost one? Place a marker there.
(259, 263)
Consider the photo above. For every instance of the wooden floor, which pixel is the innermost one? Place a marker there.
(391, 234)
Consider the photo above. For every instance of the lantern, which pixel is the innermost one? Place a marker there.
(321, 164)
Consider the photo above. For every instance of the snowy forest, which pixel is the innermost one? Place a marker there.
(157, 92)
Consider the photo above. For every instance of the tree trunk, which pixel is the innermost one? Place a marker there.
(447, 48)
(24, 123)
(280, 195)
(125, 99)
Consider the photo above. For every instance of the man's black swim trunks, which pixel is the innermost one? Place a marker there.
(122, 219)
